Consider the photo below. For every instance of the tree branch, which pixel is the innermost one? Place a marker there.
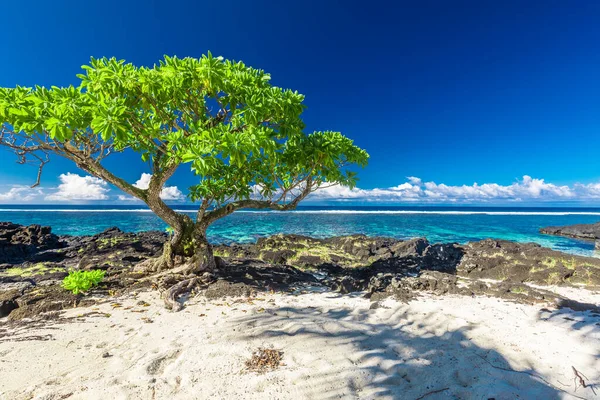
(93, 167)
(256, 204)
(43, 162)
(202, 209)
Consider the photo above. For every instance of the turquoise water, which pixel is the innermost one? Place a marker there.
(437, 224)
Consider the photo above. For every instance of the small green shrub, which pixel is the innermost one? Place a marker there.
(82, 281)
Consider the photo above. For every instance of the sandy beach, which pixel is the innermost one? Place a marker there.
(334, 346)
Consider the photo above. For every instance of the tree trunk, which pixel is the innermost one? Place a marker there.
(190, 244)
(204, 258)
(182, 241)
(188, 241)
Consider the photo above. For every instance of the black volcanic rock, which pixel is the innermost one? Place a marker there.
(8, 301)
(578, 231)
(377, 266)
(352, 261)
(503, 260)
(18, 243)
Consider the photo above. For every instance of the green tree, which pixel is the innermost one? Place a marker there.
(242, 137)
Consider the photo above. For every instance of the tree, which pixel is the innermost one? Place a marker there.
(240, 135)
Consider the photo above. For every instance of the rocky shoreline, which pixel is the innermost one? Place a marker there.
(33, 261)
(577, 231)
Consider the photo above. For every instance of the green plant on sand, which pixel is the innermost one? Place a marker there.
(82, 281)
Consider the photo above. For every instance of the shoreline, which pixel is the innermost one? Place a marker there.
(247, 227)
(33, 262)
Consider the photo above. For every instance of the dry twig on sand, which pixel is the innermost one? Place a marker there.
(580, 382)
(536, 376)
(432, 392)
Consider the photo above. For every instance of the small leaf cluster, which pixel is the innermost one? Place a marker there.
(82, 281)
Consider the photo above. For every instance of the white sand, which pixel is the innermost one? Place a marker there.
(334, 347)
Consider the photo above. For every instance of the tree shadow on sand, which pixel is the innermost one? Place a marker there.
(393, 354)
(582, 315)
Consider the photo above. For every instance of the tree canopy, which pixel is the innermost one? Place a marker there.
(243, 137)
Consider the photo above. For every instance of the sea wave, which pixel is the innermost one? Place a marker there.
(401, 212)
(368, 212)
(404, 212)
(78, 210)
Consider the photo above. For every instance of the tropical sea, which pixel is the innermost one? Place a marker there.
(437, 224)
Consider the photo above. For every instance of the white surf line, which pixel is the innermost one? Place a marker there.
(372, 212)
(400, 212)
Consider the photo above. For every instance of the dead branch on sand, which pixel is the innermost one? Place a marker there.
(536, 376)
(579, 381)
(432, 392)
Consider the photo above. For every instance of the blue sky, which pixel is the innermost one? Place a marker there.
(454, 93)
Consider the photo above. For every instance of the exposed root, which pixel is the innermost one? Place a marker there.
(170, 296)
(162, 265)
(152, 265)
(175, 287)
(198, 264)
(168, 263)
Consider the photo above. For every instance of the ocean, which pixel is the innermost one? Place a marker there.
(437, 224)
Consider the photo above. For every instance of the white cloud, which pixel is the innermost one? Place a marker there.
(414, 179)
(76, 187)
(143, 182)
(415, 190)
(171, 193)
(20, 194)
(123, 197)
(592, 190)
(167, 193)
